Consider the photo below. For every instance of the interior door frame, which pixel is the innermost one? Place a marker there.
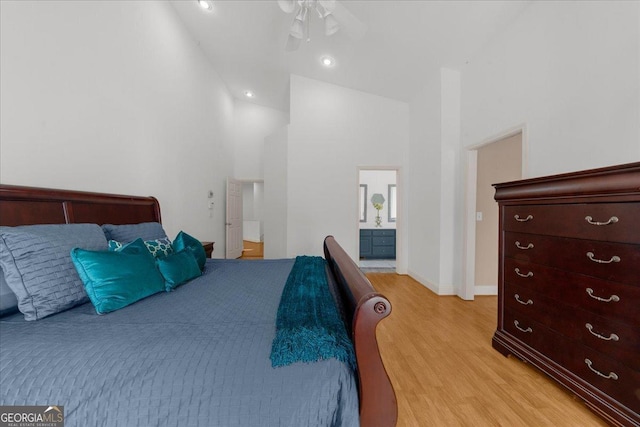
(401, 267)
(467, 291)
(231, 251)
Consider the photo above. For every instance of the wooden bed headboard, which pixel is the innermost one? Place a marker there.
(30, 205)
(365, 307)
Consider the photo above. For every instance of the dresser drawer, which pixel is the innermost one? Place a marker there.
(601, 372)
(384, 232)
(384, 251)
(384, 241)
(532, 304)
(613, 222)
(572, 355)
(619, 340)
(608, 299)
(617, 262)
(532, 333)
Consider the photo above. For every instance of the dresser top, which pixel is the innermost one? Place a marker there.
(621, 183)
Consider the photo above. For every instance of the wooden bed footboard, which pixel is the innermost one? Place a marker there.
(365, 308)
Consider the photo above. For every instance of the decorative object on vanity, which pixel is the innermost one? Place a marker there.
(378, 204)
(568, 285)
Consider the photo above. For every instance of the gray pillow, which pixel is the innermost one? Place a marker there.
(37, 265)
(129, 232)
(8, 300)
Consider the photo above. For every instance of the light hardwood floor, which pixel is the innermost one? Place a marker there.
(252, 250)
(438, 354)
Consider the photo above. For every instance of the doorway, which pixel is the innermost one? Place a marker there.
(501, 159)
(253, 219)
(378, 220)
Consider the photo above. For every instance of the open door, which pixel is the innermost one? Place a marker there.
(234, 219)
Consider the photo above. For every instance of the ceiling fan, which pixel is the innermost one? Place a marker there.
(334, 15)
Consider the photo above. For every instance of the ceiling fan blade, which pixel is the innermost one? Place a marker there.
(349, 24)
(287, 6)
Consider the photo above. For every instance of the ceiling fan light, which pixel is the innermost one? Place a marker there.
(205, 4)
(297, 29)
(292, 44)
(328, 61)
(331, 25)
(287, 6)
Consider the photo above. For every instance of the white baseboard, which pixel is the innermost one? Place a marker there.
(486, 290)
(436, 289)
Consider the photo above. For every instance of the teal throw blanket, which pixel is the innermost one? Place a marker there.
(308, 326)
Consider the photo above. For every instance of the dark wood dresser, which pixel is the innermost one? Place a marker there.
(569, 283)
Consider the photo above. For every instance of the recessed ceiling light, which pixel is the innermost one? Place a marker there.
(249, 94)
(328, 61)
(205, 4)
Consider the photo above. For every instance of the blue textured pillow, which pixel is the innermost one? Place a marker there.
(114, 280)
(183, 240)
(159, 248)
(178, 268)
(129, 232)
(38, 269)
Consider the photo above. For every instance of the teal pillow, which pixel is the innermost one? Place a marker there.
(158, 248)
(178, 268)
(183, 241)
(114, 280)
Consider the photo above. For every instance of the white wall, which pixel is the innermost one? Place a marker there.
(569, 71)
(276, 159)
(114, 97)
(252, 123)
(377, 181)
(333, 131)
(436, 204)
(425, 184)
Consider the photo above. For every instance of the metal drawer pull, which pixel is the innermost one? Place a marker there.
(611, 376)
(590, 220)
(612, 337)
(614, 298)
(529, 274)
(528, 302)
(517, 324)
(528, 218)
(529, 246)
(614, 258)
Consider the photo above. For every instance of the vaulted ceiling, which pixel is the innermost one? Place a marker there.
(405, 44)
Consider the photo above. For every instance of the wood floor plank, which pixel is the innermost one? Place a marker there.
(437, 351)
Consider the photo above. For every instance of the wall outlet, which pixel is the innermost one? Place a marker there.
(478, 216)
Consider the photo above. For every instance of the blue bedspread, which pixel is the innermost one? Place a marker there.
(198, 356)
